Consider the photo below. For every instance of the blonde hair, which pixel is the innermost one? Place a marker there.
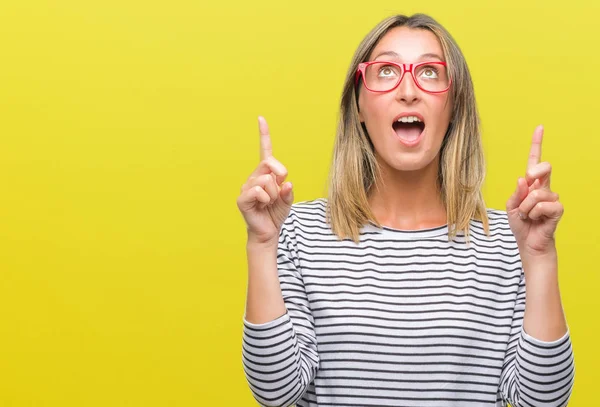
(355, 171)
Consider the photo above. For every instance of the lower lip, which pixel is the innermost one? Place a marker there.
(410, 143)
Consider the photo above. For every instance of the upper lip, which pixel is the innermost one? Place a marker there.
(404, 114)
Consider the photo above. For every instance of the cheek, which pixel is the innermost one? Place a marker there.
(371, 108)
(447, 110)
(442, 110)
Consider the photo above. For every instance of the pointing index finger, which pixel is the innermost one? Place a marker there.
(535, 153)
(266, 149)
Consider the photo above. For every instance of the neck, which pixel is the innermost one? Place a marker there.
(408, 200)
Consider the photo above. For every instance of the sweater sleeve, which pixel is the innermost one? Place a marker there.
(280, 357)
(536, 373)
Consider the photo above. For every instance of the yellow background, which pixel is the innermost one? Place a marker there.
(127, 128)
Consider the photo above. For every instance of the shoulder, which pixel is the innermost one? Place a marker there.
(313, 211)
(498, 219)
(500, 231)
(307, 218)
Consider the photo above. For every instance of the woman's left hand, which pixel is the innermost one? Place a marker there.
(534, 210)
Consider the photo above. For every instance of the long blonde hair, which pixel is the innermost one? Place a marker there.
(355, 171)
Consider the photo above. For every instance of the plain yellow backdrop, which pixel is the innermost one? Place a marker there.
(127, 128)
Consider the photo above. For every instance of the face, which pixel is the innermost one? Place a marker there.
(405, 146)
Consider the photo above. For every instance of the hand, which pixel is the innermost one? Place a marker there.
(265, 201)
(534, 210)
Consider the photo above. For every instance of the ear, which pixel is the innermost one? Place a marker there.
(360, 115)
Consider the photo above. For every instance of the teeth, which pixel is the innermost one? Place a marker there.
(409, 119)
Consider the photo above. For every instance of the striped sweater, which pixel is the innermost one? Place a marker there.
(403, 318)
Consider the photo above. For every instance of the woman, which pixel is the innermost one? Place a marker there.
(402, 288)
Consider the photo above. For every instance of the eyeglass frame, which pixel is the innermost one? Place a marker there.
(410, 68)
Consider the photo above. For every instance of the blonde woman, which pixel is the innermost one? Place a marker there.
(402, 288)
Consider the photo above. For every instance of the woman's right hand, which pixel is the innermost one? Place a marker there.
(265, 201)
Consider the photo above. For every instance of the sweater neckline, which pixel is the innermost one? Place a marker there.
(407, 233)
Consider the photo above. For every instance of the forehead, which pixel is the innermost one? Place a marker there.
(409, 43)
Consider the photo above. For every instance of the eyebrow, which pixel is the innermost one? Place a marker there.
(396, 55)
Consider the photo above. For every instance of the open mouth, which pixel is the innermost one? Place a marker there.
(409, 128)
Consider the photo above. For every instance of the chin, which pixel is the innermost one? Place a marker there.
(416, 166)
(409, 162)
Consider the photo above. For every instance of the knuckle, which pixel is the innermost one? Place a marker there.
(267, 180)
(274, 181)
(276, 164)
(242, 200)
(248, 184)
(272, 162)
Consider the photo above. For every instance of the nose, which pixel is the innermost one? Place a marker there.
(407, 90)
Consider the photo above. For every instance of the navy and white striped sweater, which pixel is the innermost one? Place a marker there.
(404, 318)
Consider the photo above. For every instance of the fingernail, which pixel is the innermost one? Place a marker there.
(522, 216)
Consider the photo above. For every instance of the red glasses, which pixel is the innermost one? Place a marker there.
(384, 76)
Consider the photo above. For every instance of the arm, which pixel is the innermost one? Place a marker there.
(544, 317)
(279, 355)
(539, 367)
(264, 302)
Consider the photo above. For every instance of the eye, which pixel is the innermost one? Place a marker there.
(429, 72)
(387, 71)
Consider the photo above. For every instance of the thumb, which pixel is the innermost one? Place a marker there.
(287, 193)
(517, 197)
